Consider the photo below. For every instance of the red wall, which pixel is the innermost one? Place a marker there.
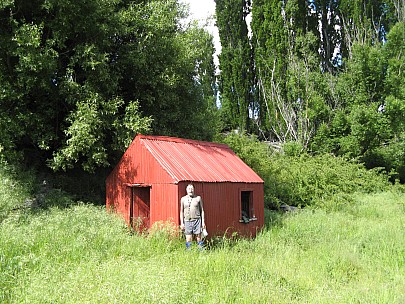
(164, 203)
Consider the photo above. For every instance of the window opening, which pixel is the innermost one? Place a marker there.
(247, 211)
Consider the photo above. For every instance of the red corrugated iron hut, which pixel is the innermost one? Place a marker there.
(151, 177)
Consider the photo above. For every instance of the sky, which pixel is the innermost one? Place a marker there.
(201, 8)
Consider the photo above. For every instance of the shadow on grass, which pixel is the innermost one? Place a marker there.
(64, 189)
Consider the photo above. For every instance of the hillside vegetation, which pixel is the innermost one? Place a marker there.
(63, 251)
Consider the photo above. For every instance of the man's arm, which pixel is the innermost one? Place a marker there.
(202, 213)
(181, 214)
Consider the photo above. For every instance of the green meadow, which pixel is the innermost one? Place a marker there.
(75, 252)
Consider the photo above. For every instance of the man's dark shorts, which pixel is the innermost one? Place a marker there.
(192, 227)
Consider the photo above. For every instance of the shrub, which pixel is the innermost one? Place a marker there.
(304, 180)
(308, 180)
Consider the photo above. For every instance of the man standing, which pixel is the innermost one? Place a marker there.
(192, 216)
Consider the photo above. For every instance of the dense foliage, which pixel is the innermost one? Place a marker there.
(299, 179)
(78, 79)
(235, 63)
(328, 75)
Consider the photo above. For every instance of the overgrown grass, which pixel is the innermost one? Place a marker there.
(82, 254)
(13, 192)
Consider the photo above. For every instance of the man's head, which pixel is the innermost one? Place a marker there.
(190, 190)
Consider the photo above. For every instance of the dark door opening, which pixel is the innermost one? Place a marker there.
(139, 211)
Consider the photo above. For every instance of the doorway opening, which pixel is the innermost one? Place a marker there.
(139, 209)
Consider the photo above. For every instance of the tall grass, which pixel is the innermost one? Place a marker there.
(82, 254)
(13, 192)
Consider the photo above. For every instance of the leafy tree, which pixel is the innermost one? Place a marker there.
(287, 79)
(393, 150)
(328, 31)
(327, 75)
(80, 78)
(269, 37)
(364, 22)
(369, 124)
(235, 63)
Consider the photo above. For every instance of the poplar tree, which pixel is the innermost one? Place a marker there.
(235, 64)
(286, 68)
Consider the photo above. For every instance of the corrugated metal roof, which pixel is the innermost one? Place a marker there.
(191, 160)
